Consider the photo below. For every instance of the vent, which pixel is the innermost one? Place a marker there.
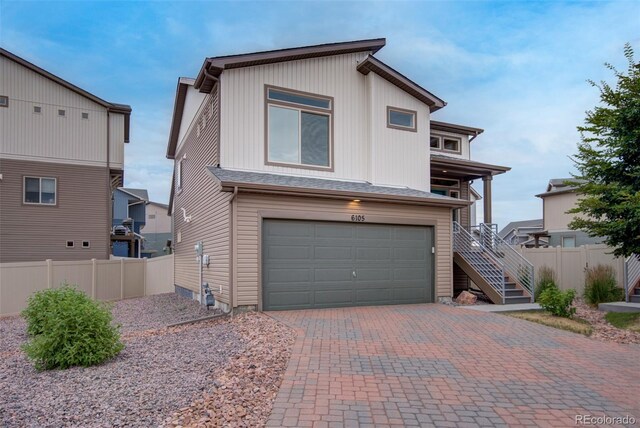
(86, 244)
(70, 244)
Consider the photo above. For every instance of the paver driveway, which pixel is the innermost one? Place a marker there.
(434, 365)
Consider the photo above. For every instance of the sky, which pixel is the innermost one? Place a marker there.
(516, 69)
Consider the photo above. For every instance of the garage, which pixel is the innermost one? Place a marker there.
(316, 264)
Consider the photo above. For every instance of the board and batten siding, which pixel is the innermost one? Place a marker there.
(48, 137)
(250, 208)
(40, 232)
(208, 207)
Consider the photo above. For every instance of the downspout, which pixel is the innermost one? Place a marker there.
(233, 206)
(109, 209)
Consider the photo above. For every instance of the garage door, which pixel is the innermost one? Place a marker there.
(309, 264)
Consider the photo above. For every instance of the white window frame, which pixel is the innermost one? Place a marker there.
(300, 108)
(412, 113)
(86, 246)
(179, 174)
(24, 191)
(441, 138)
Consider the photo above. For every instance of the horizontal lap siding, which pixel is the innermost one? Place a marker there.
(206, 204)
(248, 256)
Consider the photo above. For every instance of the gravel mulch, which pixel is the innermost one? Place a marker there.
(602, 330)
(160, 371)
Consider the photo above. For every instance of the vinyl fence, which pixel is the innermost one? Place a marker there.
(569, 263)
(106, 280)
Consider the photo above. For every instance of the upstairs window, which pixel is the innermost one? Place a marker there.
(299, 128)
(39, 190)
(445, 143)
(451, 144)
(4, 101)
(398, 118)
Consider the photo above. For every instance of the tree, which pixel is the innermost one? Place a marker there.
(608, 160)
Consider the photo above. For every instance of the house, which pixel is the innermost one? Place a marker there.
(61, 156)
(129, 217)
(157, 230)
(519, 233)
(559, 197)
(315, 177)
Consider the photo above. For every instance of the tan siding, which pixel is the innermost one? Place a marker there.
(34, 232)
(46, 136)
(206, 204)
(465, 212)
(248, 229)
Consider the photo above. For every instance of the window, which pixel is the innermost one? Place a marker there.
(401, 119)
(568, 241)
(62, 113)
(434, 142)
(39, 190)
(179, 174)
(445, 187)
(37, 109)
(85, 115)
(4, 101)
(299, 128)
(86, 244)
(447, 144)
(70, 244)
(451, 144)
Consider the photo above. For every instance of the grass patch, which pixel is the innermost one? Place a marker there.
(575, 325)
(624, 320)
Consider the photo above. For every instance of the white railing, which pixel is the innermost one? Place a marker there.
(631, 274)
(482, 260)
(517, 267)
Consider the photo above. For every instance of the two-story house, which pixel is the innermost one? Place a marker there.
(61, 156)
(129, 217)
(315, 177)
(157, 230)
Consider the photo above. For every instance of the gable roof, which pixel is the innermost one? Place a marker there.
(372, 64)
(178, 111)
(514, 225)
(141, 194)
(310, 186)
(158, 204)
(213, 67)
(558, 186)
(456, 129)
(112, 107)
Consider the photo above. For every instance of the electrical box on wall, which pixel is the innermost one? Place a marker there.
(198, 248)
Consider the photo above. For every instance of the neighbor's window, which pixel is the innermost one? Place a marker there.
(451, 144)
(568, 241)
(434, 142)
(85, 115)
(37, 109)
(62, 113)
(40, 190)
(401, 119)
(151, 216)
(299, 128)
(4, 101)
(179, 175)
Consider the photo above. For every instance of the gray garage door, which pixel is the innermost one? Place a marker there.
(308, 264)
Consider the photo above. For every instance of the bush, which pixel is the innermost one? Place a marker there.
(67, 328)
(601, 285)
(546, 280)
(558, 302)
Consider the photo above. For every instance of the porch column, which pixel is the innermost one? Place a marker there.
(486, 181)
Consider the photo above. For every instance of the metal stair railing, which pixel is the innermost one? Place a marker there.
(631, 274)
(483, 261)
(515, 265)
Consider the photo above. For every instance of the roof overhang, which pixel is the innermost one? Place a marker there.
(178, 111)
(464, 169)
(111, 107)
(456, 129)
(557, 192)
(372, 64)
(213, 67)
(231, 184)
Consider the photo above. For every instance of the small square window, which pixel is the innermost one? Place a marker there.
(62, 112)
(451, 144)
(568, 241)
(86, 244)
(70, 244)
(434, 142)
(37, 109)
(4, 101)
(85, 115)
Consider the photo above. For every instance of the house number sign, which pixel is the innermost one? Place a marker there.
(358, 217)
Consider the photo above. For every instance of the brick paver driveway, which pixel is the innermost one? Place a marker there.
(434, 365)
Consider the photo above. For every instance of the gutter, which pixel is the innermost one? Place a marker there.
(109, 209)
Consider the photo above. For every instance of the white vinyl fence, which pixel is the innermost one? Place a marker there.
(106, 280)
(569, 264)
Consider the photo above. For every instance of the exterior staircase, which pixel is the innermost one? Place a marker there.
(632, 279)
(500, 271)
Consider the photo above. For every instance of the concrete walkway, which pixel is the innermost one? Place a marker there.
(434, 365)
(619, 307)
(503, 308)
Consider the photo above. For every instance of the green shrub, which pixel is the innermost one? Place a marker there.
(558, 302)
(546, 279)
(601, 285)
(67, 328)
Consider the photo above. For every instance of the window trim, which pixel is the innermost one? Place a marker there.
(414, 128)
(39, 204)
(575, 243)
(86, 246)
(5, 98)
(441, 148)
(179, 169)
(300, 107)
(73, 244)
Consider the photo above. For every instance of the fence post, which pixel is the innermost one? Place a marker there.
(121, 279)
(144, 275)
(94, 277)
(49, 273)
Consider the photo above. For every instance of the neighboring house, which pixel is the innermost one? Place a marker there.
(520, 233)
(61, 155)
(315, 177)
(157, 231)
(129, 210)
(559, 198)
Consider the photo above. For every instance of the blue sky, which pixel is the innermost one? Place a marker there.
(516, 69)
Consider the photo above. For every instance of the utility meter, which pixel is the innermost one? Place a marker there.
(198, 248)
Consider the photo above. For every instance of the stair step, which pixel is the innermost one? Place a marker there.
(513, 293)
(510, 285)
(514, 300)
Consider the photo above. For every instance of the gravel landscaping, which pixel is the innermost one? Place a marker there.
(602, 330)
(162, 374)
